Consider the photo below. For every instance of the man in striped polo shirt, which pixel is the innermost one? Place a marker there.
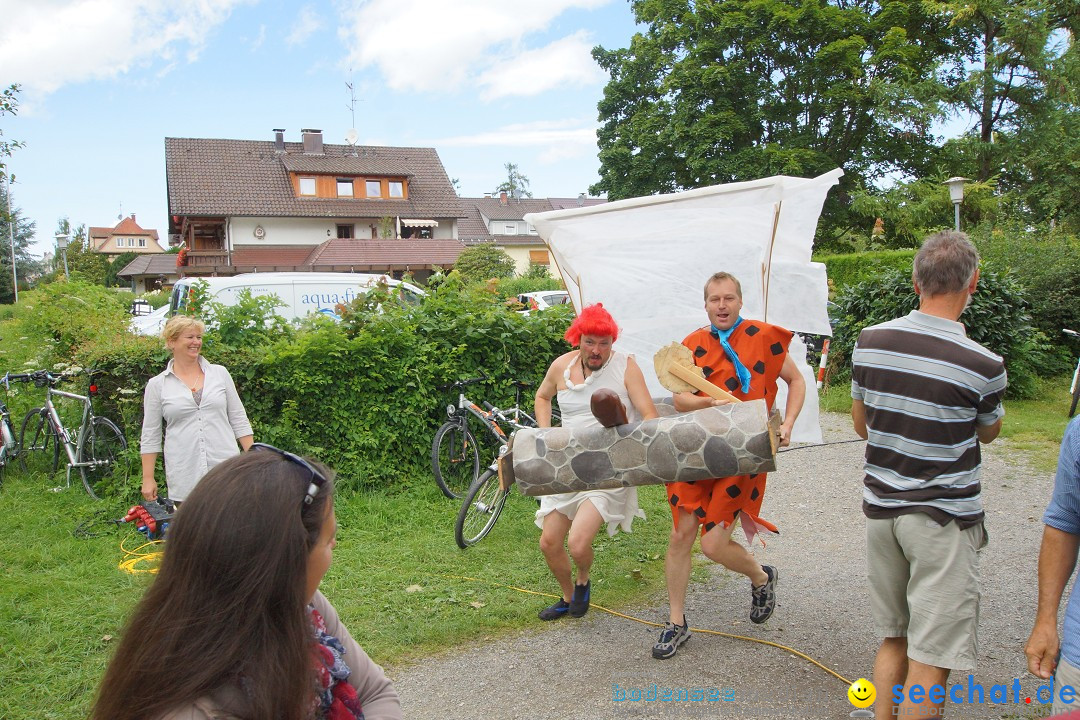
(924, 397)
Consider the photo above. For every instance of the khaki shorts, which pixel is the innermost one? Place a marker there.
(931, 599)
(1066, 674)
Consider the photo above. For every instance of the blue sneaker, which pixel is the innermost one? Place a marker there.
(579, 604)
(556, 611)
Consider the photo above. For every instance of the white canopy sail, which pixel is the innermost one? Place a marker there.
(647, 259)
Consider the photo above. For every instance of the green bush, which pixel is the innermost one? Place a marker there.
(1047, 264)
(77, 313)
(854, 268)
(156, 298)
(361, 394)
(997, 319)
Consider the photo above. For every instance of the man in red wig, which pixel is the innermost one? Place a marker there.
(744, 357)
(573, 519)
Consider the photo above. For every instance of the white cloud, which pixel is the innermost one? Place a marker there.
(259, 39)
(307, 22)
(565, 62)
(46, 44)
(560, 139)
(427, 45)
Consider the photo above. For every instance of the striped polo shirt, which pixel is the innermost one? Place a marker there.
(925, 386)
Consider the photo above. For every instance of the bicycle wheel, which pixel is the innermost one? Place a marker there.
(7, 446)
(455, 461)
(104, 444)
(37, 440)
(481, 508)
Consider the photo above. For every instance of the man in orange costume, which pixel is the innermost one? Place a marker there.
(744, 357)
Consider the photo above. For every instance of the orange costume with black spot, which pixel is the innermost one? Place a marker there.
(762, 348)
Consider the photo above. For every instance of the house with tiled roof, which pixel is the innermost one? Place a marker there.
(500, 221)
(254, 206)
(126, 237)
(151, 272)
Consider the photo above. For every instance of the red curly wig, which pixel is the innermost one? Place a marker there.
(593, 320)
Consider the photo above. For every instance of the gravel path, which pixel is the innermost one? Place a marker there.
(570, 669)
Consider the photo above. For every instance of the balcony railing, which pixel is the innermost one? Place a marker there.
(196, 258)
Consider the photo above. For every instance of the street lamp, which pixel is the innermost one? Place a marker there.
(62, 245)
(956, 194)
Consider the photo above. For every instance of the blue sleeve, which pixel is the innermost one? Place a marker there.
(1063, 513)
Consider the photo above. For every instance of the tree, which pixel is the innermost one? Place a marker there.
(516, 185)
(482, 262)
(117, 264)
(718, 91)
(9, 104)
(26, 266)
(83, 262)
(1015, 74)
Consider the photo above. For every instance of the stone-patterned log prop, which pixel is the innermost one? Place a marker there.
(735, 439)
(676, 371)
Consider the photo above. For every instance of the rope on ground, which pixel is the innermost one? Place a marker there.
(834, 442)
(706, 631)
(134, 557)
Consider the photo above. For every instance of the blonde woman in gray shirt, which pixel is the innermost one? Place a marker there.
(201, 411)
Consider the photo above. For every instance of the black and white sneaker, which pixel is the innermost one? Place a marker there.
(671, 637)
(763, 597)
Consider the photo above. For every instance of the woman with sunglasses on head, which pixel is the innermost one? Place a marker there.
(200, 408)
(234, 626)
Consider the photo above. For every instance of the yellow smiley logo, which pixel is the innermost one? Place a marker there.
(862, 693)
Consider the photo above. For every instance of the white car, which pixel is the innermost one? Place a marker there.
(150, 324)
(300, 293)
(542, 300)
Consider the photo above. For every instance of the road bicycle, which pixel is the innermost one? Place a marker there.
(1074, 389)
(485, 499)
(9, 448)
(455, 454)
(93, 447)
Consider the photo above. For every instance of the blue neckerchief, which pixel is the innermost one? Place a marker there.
(740, 369)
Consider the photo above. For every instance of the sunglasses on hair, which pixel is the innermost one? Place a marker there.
(318, 480)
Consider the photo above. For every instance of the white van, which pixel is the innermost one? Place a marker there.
(300, 292)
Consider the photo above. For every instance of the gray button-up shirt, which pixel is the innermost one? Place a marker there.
(198, 436)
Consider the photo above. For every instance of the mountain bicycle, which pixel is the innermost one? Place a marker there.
(93, 447)
(485, 499)
(455, 454)
(9, 448)
(1074, 389)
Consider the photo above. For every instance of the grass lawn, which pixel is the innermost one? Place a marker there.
(397, 579)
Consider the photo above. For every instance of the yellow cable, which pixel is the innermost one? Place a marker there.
(132, 558)
(809, 659)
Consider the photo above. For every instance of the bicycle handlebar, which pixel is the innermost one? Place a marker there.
(1070, 332)
(462, 383)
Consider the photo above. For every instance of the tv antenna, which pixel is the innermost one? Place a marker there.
(351, 136)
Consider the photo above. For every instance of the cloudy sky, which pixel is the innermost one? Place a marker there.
(483, 82)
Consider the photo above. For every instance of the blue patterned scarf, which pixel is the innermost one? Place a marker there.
(740, 369)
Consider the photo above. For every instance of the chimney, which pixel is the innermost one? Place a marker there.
(487, 195)
(279, 140)
(132, 217)
(312, 141)
(581, 199)
(502, 197)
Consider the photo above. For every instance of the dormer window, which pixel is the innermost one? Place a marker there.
(397, 189)
(374, 188)
(344, 187)
(307, 186)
